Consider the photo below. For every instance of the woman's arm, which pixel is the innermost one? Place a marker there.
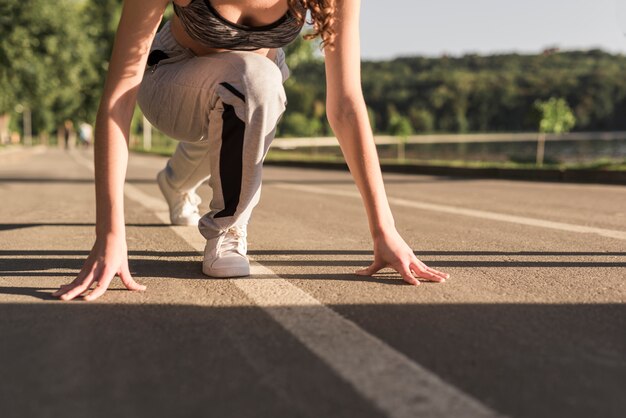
(136, 30)
(347, 115)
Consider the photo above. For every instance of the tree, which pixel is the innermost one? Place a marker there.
(299, 125)
(399, 126)
(555, 116)
(100, 24)
(301, 51)
(306, 109)
(421, 119)
(371, 115)
(46, 60)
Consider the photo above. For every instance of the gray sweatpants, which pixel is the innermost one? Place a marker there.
(223, 108)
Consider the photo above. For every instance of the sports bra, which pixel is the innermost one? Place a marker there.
(204, 24)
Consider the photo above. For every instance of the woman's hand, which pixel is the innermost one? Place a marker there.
(108, 257)
(390, 250)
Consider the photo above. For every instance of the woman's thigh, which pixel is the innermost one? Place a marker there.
(178, 95)
(174, 104)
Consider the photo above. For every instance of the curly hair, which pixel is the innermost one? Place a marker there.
(322, 19)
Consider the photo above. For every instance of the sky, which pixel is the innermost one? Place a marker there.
(391, 28)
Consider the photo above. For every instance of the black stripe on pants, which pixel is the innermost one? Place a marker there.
(231, 160)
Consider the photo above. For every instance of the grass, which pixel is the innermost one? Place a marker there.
(166, 148)
(600, 164)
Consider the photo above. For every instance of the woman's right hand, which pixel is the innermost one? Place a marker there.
(108, 257)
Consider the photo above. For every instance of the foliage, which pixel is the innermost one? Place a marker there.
(100, 24)
(556, 117)
(399, 125)
(301, 52)
(306, 114)
(102, 18)
(421, 120)
(299, 125)
(54, 57)
(46, 60)
(484, 93)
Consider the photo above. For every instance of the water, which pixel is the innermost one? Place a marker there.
(521, 152)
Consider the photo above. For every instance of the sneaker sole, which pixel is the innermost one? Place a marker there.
(226, 272)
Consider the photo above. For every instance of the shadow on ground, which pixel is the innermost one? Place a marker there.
(36, 263)
(152, 264)
(75, 359)
(11, 226)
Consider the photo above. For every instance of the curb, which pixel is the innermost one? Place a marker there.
(548, 175)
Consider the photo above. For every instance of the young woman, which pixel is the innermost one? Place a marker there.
(212, 78)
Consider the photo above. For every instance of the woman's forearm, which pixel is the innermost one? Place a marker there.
(110, 161)
(351, 125)
(138, 24)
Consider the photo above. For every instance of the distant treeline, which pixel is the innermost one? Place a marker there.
(470, 93)
(54, 57)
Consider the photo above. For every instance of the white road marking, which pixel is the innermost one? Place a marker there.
(521, 220)
(390, 380)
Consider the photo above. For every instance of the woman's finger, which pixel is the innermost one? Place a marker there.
(374, 268)
(62, 289)
(65, 287)
(102, 285)
(78, 289)
(407, 275)
(439, 273)
(426, 273)
(80, 278)
(128, 280)
(423, 267)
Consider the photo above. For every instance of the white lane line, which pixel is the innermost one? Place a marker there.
(522, 220)
(390, 380)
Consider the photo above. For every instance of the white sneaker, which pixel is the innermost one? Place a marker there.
(225, 255)
(183, 206)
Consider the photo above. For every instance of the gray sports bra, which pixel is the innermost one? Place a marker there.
(204, 24)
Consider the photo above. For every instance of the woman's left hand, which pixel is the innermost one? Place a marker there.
(390, 250)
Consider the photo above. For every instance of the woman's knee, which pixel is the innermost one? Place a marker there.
(172, 110)
(258, 79)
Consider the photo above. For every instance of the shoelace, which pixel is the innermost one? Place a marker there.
(189, 203)
(234, 240)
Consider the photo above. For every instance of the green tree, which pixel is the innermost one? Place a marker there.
(556, 117)
(295, 124)
(306, 109)
(300, 52)
(490, 93)
(421, 119)
(101, 19)
(46, 60)
(399, 126)
(371, 115)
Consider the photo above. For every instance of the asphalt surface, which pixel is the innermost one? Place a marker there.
(531, 323)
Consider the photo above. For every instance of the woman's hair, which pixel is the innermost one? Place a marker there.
(322, 19)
